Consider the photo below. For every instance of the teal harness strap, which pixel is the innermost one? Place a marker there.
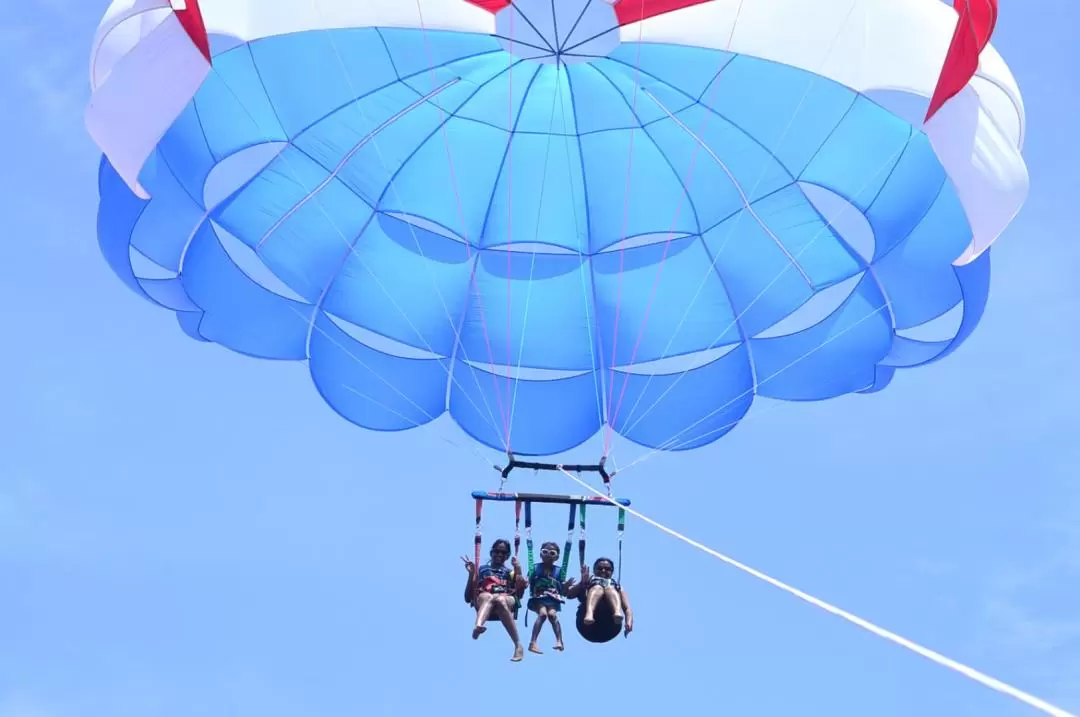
(528, 535)
(528, 549)
(569, 542)
(581, 538)
(622, 529)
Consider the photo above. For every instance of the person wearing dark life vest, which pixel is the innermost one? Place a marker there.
(496, 588)
(603, 587)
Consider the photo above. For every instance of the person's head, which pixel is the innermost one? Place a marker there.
(603, 568)
(500, 551)
(549, 553)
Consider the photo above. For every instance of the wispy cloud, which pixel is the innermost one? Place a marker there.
(1027, 630)
(22, 706)
(1031, 615)
(44, 49)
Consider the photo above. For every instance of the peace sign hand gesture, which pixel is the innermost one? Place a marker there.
(469, 566)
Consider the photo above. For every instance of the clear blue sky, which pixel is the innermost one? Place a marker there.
(184, 531)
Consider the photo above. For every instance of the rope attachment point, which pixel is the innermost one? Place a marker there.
(599, 468)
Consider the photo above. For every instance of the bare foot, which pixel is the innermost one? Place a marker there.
(533, 647)
(559, 646)
(518, 654)
(478, 631)
(589, 620)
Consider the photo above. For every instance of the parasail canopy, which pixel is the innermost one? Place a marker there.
(552, 218)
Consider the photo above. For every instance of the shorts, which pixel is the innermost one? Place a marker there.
(550, 603)
(516, 605)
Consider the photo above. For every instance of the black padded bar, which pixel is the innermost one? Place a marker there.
(548, 498)
(572, 468)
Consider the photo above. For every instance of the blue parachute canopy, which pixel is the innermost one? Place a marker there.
(647, 240)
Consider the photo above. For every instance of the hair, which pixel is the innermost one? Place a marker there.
(609, 561)
(503, 542)
(550, 544)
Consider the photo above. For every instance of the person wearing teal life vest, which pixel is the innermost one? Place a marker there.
(496, 588)
(547, 592)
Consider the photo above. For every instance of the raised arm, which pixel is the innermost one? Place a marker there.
(520, 582)
(576, 590)
(470, 582)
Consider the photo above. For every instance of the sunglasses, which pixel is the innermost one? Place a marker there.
(547, 552)
(500, 551)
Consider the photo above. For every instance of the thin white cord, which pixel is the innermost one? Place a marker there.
(747, 204)
(536, 238)
(929, 654)
(392, 187)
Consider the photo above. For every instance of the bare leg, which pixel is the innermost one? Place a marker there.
(483, 609)
(541, 616)
(613, 599)
(591, 598)
(557, 627)
(506, 614)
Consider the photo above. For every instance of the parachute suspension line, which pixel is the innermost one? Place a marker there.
(685, 197)
(747, 204)
(389, 384)
(242, 105)
(311, 320)
(597, 372)
(369, 137)
(465, 235)
(699, 144)
(570, 525)
(886, 306)
(622, 248)
(671, 443)
(383, 406)
(666, 445)
(511, 125)
(734, 24)
(710, 269)
(671, 233)
(532, 262)
(929, 654)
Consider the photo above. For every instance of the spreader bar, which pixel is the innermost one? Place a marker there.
(548, 498)
(575, 468)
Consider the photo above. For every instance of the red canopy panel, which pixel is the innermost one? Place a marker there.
(191, 19)
(974, 27)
